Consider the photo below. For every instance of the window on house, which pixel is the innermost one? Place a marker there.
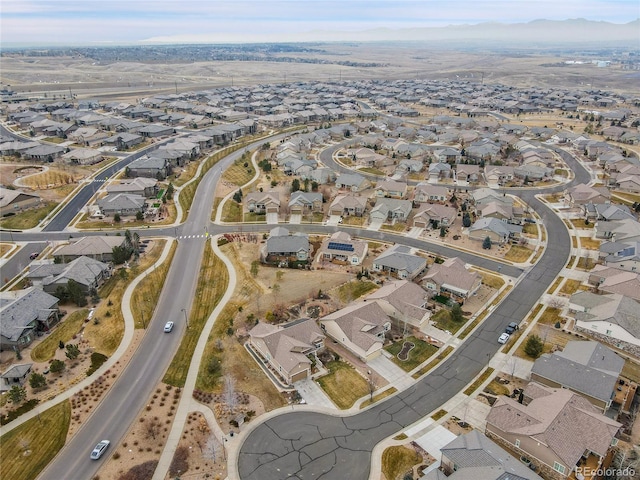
(558, 467)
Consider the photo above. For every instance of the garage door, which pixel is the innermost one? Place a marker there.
(299, 376)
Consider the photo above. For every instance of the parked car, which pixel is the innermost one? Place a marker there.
(503, 338)
(34, 255)
(512, 327)
(168, 327)
(99, 449)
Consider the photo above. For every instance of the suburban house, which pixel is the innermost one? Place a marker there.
(391, 189)
(359, 327)
(467, 173)
(587, 368)
(155, 130)
(88, 273)
(122, 204)
(282, 247)
(286, 348)
(447, 155)
(400, 262)
(434, 215)
(614, 280)
(390, 209)
(96, 247)
(262, 202)
(610, 318)
(14, 201)
(482, 196)
(475, 456)
(341, 248)
(429, 193)
(352, 181)
(501, 211)
(451, 278)
(402, 300)
(347, 204)
(145, 187)
(498, 174)
(555, 429)
(498, 231)
(439, 171)
(152, 167)
(44, 153)
(83, 156)
(15, 375)
(581, 194)
(23, 313)
(124, 140)
(305, 202)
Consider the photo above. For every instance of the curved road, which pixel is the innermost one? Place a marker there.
(302, 445)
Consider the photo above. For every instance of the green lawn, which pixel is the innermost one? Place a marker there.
(444, 321)
(398, 460)
(418, 354)
(43, 436)
(27, 219)
(343, 384)
(65, 331)
(355, 289)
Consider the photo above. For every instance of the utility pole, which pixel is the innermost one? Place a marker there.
(176, 84)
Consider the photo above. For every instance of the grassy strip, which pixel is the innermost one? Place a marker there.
(378, 397)
(479, 381)
(518, 254)
(107, 328)
(355, 289)
(146, 295)
(29, 218)
(439, 414)
(231, 212)
(64, 332)
(417, 355)
(224, 355)
(43, 436)
(554, 286)
(491, 280)
(570, 286)
(343, 384)
(443, 321)
(441, 356)
(398, 460)
(189, 191)
(212, 283)
(237, 173)
(398, 227)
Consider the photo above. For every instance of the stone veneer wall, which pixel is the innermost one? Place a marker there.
(624, 346)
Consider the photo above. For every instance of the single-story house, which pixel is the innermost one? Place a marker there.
(390, 209)
(122, 204)
(402, 300)
(498, 231)
(348, 204)
(556, 429)
(151, 167)
(15, 375)
(286, 348)
(305, 202)
(85, 271)
(352, 181)
(399, 261)
(14, 201)
(391, 189)
(23, 313)
(434, 215)
(99, 247)
(262, 202)
(124, 140)
(577, 367)
(44, 153)
(428, 193)
(282, 247)
(452, 278)
(359, 327)
(142, 186)
(83, 156)
(341, 248)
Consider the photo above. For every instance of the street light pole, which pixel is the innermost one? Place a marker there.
(186, 320)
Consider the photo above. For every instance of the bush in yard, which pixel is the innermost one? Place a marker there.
(144, 471)
(57, 366)
(17, 394)
(534, 346)
(486, 244)
(37, 380)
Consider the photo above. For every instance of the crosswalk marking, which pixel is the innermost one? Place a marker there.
(186, 237)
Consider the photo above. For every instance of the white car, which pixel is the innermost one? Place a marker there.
(168, 327)
(99, 449)
(503, 338)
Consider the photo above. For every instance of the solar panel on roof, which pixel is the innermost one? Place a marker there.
(344, 247)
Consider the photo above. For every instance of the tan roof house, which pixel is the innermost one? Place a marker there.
(451, 278)
(434, 215)
(348, 204)
(14, 201)
(581, 194)
(391, 189)
(262, 202)
(402, 300)
(359, 327)
(556, 429)
(429, 193)
(287, 348)
(341, 248)
(98, 247)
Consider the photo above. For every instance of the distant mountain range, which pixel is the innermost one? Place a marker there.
(534, 33)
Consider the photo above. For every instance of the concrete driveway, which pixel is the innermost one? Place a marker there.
(374, 226)
(312, 394)
(390, 371)
(333, 220)
(295, 219)
(272, 218)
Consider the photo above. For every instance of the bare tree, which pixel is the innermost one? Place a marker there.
(512, 364)
(24, 445)
(212, 448)
(557, 303)
(202, 434)
(230, 398)
(152, 428)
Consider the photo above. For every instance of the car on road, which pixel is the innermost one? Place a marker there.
(99, 449)
(168, 327)
(503, 338)
(512, 327)
(34, 255)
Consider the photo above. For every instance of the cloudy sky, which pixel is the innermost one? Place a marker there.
(50, 22)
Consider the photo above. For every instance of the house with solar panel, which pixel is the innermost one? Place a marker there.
(340, 248)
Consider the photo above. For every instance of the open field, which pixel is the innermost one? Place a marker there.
(29, 218)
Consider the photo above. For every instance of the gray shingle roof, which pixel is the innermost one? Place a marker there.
(18, 312)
